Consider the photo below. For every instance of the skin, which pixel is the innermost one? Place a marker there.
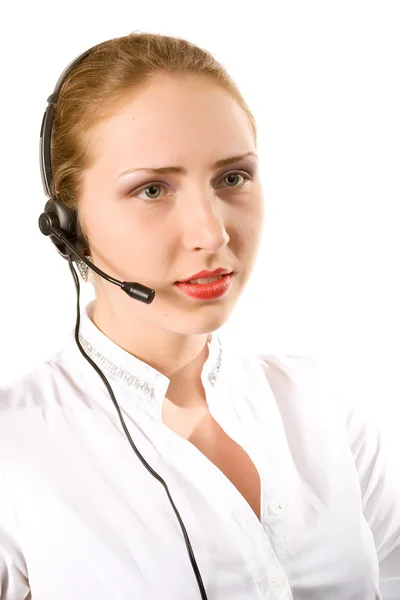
(194, 221)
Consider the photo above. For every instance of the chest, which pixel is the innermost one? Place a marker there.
(202, 430)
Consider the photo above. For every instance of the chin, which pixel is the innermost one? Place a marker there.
(203, 323)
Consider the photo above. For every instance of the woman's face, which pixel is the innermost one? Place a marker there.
(160, 228)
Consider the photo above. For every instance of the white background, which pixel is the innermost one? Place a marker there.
(322, 79)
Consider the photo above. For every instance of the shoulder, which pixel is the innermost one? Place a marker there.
(282, 370)
(36, 413)
(29, 403)
(294, 370)
(308, 385)
(326, 383)
(30, 389)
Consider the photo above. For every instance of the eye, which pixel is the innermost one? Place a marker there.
(232, 178)
(151, 191)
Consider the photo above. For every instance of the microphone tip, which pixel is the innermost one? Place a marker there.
(138, 291)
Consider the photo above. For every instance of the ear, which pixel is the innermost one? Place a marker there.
(82, 237)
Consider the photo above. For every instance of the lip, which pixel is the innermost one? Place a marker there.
(206, 274)
(206, 291)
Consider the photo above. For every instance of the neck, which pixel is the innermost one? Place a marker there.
(180, 357)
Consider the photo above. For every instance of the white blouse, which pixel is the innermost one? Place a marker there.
(81, 518)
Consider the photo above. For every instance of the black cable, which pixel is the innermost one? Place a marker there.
(148, 467)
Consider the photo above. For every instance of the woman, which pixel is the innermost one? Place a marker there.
(281, 487)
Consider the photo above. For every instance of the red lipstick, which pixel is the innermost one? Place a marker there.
(207, 291)
(205, 274)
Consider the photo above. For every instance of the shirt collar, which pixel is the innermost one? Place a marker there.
(134, 374)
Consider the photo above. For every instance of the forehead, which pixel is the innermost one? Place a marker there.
(182, 116)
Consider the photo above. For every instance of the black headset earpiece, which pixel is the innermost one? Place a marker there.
(58, 216)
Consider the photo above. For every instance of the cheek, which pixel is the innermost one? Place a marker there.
(245, 238)
(248, 221)
(132, 246)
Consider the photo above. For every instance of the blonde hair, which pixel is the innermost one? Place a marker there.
(110, 72)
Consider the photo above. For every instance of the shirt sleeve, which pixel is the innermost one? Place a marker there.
(380, 490)
(13, 574)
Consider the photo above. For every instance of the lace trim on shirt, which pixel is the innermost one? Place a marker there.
(112, 369)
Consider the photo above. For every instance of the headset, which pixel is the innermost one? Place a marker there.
(60, 223)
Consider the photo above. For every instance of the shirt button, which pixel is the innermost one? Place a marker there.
(278, 584)
(275, 507)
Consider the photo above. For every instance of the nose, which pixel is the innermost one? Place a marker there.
(203, 223)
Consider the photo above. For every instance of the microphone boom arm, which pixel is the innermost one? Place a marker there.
(135, 290)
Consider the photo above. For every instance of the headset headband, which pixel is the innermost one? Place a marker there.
(47, 124)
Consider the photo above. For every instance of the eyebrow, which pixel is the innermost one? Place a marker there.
(223, 162)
